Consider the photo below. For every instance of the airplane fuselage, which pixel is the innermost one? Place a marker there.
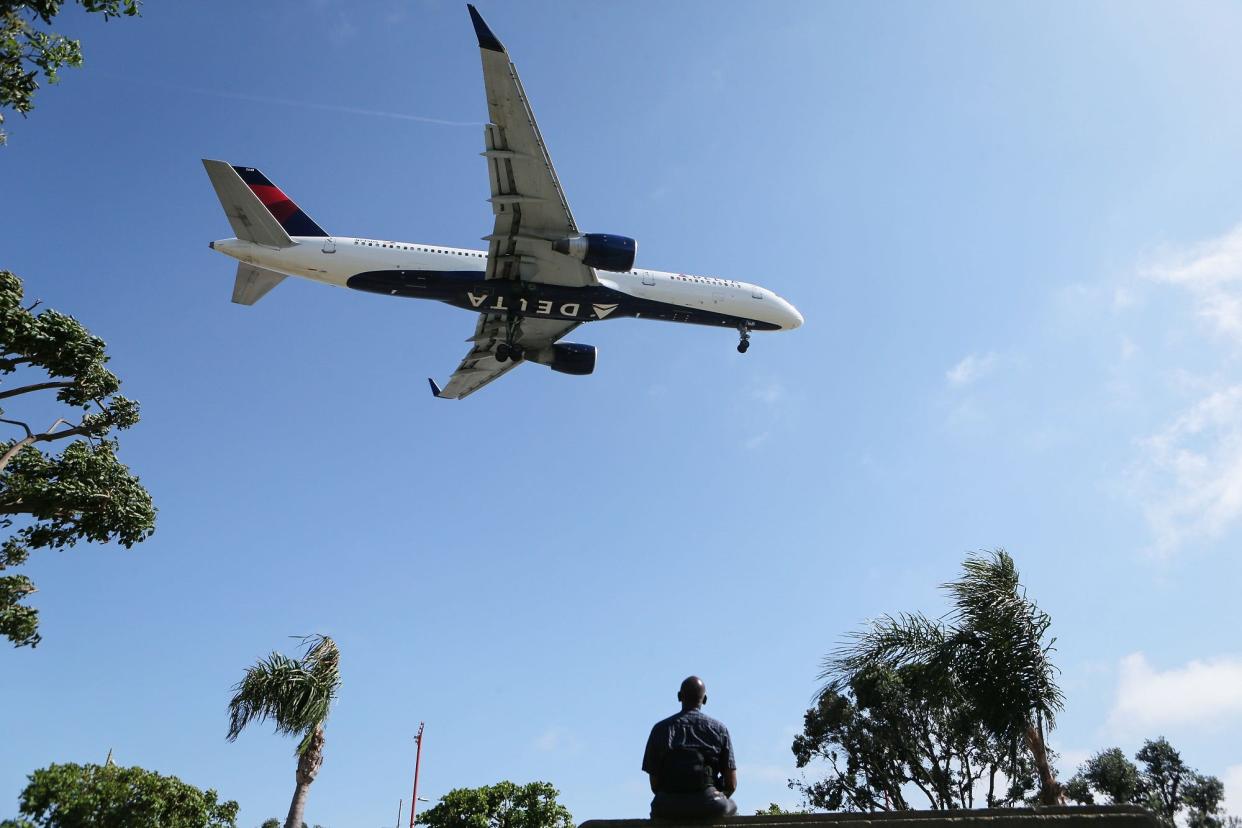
(457, 276)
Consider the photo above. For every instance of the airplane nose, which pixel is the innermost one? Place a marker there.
(795, 318)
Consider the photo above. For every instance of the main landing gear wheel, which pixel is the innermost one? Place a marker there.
(509, 350)
(744, 344)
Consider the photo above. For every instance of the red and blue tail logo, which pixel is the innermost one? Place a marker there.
(290, 215)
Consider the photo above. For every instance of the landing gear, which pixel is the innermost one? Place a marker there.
(509, 350)
(744, 344)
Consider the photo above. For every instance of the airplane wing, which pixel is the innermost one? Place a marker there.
(527, 200)
(480, 366)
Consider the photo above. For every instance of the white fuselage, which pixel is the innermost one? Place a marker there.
(335, 260)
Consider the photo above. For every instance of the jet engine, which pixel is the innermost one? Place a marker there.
(570, 358)
(599, 250)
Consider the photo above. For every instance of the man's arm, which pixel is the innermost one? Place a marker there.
(652, 755)
(728, 782)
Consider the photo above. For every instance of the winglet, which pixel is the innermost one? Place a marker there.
(435, 389)
(487, 40)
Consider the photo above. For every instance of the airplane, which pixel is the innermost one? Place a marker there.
(538, 279)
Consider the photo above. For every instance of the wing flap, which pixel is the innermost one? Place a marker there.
(527, 200)
(480, 366)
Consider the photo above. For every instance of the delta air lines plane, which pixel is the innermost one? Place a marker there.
(538, 279)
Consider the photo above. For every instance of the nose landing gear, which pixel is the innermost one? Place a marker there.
(744, 343)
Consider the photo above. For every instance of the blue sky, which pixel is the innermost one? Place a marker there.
(1015, 233)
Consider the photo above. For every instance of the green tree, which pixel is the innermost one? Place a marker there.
(772, 810)
(1164, 774)
(27, 50)
(1110, 773)
(297, 695)
(896, 731)
(1202, 796)
(503, 805)
(992, 655)
(1160, 781)
(83, 493)
(108, 796)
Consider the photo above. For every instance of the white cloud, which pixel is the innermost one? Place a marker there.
(1212, 272)
(757, 440)
(1069, 760)
(1198, 693)
(1232, 777)
(971, 369)
(1190, 477)
(557, 739)
(770, 393)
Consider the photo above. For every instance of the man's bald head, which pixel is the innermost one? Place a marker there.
(693, 693)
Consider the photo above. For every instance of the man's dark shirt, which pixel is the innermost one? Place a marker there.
(690, 729)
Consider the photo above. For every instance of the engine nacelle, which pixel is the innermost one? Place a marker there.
(599, 250)
(570, 358)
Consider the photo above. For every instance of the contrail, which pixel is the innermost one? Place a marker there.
(348, 110)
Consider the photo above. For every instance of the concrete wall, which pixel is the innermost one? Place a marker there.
(1124, 816)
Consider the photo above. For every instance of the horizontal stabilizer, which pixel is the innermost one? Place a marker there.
(253, 283)
(250, 219)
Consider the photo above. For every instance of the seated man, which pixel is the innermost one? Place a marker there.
(690, 761)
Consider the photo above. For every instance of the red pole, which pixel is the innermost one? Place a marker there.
(417, 759)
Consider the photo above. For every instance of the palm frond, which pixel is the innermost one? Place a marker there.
(295, 694)
(888, 641)
(1000, 653)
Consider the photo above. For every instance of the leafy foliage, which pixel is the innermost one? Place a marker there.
(503, 805)
(772, 810)
(1161, 782)
(26, 51)
(990, 656)
(897, 731)
(107, 796)
(83, 493)
(1110, 773)
(297, 695)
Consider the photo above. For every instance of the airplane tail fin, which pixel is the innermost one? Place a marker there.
(256, 208)
(291, 217)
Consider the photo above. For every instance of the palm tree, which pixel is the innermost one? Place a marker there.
(992, 649)
(296, 695)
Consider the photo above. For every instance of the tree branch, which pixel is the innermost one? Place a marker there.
(38, 386)
(29, 433)
(45, 437)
